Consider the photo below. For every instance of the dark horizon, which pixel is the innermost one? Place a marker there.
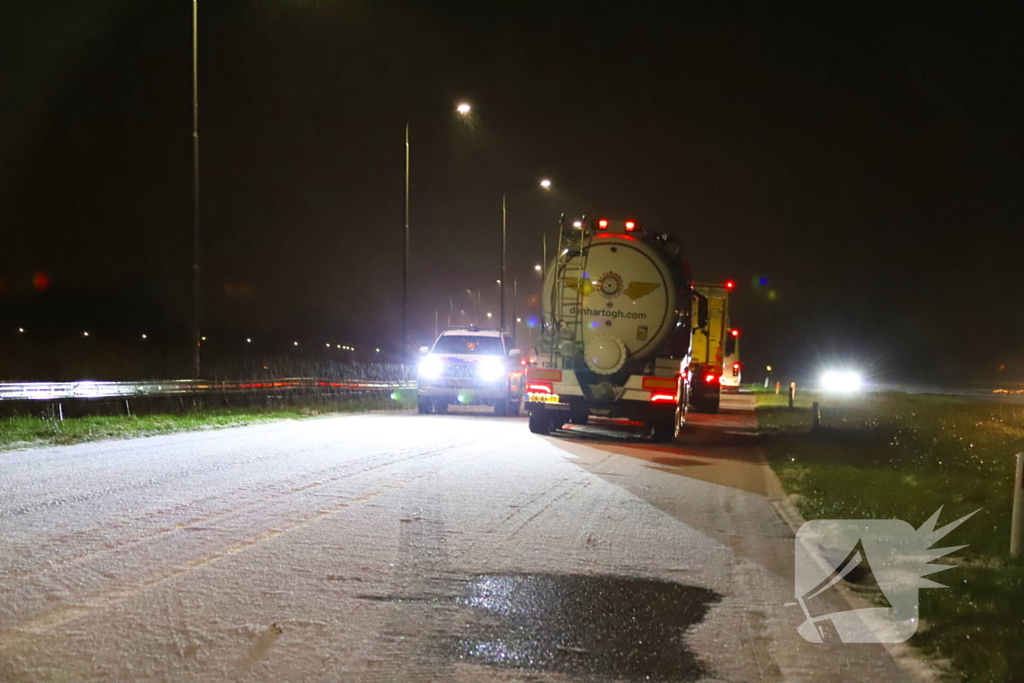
(867, 167)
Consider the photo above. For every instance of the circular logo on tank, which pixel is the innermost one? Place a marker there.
(610, 285)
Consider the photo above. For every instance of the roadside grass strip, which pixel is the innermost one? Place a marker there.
(22, 432)
(902, 456)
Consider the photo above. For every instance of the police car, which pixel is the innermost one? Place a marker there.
(470, 366)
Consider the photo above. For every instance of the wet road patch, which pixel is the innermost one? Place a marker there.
(603, 626)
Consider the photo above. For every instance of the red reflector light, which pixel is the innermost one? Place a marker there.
(663, 398)
(538, 388)
(630, 226)
(603, 224)
(710, 379)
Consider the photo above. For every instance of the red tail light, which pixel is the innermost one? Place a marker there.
(729, 284)
(630, 226)
(663, 398)
(735, 366)
(710, 378)
(734, 332)
(538, 388)
(602, 224)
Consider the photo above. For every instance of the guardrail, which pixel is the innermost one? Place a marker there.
(59, 391)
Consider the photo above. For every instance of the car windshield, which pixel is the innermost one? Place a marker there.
(469, 345)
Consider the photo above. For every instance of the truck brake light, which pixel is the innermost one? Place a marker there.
(662, 398)
(710, 378)
(538, 388)
(630, 226)
(602, 224)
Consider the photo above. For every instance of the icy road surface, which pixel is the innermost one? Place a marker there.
(406, 547)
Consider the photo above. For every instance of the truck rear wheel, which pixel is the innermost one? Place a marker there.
(540, 422)
(423, 405)
(663, 430)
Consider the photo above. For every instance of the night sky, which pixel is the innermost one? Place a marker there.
(867, 165)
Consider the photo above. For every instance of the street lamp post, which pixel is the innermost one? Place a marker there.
(462, 109)
(196, 298)
(546, 184)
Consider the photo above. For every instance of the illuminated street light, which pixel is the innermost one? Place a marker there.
(328, 345)
(248, 340)
(21, 330)
(769, 368)
(463, 109)
(295, 343)
(538, 267)
(488, 315)
(85, 334)
(203, 338)
(144, 336)
(545, 183)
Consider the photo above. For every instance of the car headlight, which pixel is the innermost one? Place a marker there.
(841, 382)
(431, 367)
(491, 369)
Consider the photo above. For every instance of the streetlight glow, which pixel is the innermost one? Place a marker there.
(545, 183)
(248, 340)
(463, 108)
(144, 336)
(538, 267)
(488, 315)
(85, 334)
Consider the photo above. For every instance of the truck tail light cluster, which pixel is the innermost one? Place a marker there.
(710, 378)
(538, 388)
(660, 397)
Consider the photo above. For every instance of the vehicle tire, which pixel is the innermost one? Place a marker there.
(540, 422)
(440, 406)
(663, 429)
(423, 405)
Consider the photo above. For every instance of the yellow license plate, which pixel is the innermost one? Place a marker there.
(542, 398)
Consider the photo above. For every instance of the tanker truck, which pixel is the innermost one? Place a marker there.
(617, 303)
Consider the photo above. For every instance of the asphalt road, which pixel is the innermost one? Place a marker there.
(407, 547)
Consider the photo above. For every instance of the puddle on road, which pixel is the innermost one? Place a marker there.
(603, 626)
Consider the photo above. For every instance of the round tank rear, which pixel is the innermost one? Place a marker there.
(632, 294)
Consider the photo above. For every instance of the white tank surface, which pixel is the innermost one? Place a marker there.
(630, 287)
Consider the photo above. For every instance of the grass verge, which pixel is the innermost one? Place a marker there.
(890, 455)
(19, 432)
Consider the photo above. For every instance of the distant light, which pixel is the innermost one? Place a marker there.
(769, 368)
(378, 350)
(327, 345)
(577, 224)
(734, 332)
(463, 108)
(41, 281)
(248, 340)
(394, 396)
(729, 284)
(144, 336)
(339, 346)
(538, 267)
(841, 381)
(545, 183)
(85, 334)
(21, 330)
(295, 343)
(763, 281)
(203, 338)
(488, 315)
(519, 320)
(498, 281)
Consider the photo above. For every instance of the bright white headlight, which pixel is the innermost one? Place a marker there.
(841, 381)
(491, 369)
(431, 367)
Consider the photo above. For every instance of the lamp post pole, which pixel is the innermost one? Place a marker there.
(501, 289)
(463, 109)
(197, 367)
(405, 257)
